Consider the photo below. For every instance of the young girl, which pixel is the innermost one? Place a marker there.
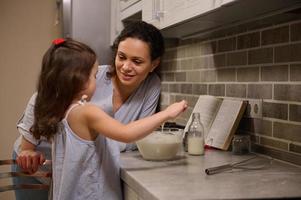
(84, 162)
(128, 90)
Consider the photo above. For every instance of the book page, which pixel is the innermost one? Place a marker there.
(207, 106)
(225, 123)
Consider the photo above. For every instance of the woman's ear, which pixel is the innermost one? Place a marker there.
(155, 64)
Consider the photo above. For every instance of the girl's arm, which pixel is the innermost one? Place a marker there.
(29, 159)
(100, 122)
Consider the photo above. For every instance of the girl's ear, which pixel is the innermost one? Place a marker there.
(155, 64)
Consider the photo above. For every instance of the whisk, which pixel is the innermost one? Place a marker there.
(238, 165)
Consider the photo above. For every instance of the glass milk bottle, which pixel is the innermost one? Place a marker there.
(195, 136)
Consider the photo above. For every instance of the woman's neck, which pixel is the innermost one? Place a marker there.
(120, 93)
(123, 91)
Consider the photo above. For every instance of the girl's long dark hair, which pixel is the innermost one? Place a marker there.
(66, 68)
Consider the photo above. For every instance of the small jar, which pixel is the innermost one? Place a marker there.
(241, 144)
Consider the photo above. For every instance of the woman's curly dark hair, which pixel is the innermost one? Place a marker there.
(144, 32)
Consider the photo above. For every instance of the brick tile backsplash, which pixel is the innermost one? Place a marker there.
(260, 91)
(193, 50)
(169, 76)
(170, 54)
(180, 76)
(220, 60)
(197, 63)
(291, 132)
(193, 76)
(287, 92)
(175, 88)
(228, 44)
(260, 56)
(237, 58)
(164, 98)
(248, 74)
(277, 153)
(208, 76)
(203, 62)
(208, 48)
(295, 72)
(257, 126)
(275, 35)
(288, 53)
(186, 88)
(248, 40)
(236, 90)
(164, 87)
(274, 73)
(274, 143)
(217, 89)
(199, 89)
(226, 75)
(259, 60)
(295, 112)
(275, 110)
(186, 64)
(296, 31)
(295, 148)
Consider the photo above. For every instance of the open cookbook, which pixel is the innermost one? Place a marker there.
(220, 118)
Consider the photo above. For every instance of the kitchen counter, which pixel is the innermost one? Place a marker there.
(185, 178)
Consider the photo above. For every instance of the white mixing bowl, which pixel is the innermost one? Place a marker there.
(161, 145)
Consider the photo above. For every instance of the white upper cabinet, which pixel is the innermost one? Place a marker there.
(223, 2)
(116, 24)
(165, 13)
(120, 11)
(129, 8)
(151, 12)
(189, 18)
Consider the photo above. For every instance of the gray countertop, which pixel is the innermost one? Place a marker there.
(185, 177)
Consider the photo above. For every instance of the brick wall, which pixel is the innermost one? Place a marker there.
(262, 62)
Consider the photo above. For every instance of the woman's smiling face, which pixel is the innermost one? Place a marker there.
(133, 62)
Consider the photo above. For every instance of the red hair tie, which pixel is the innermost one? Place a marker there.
(58, 41)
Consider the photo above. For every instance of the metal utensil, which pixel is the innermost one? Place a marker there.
(237, 165)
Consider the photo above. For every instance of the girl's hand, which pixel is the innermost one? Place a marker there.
(30, 160)
(176, 109)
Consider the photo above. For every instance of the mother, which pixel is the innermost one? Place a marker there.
(128, 90)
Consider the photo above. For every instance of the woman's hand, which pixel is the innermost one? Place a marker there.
(30, 160)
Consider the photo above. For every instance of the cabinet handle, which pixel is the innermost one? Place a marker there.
(157, 13)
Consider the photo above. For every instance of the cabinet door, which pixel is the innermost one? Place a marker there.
(121, 10)
(176, 11)
(164, 13)
(223, 2)
(151, 12)
(116, 23)
(129, 7)
(124, 4)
